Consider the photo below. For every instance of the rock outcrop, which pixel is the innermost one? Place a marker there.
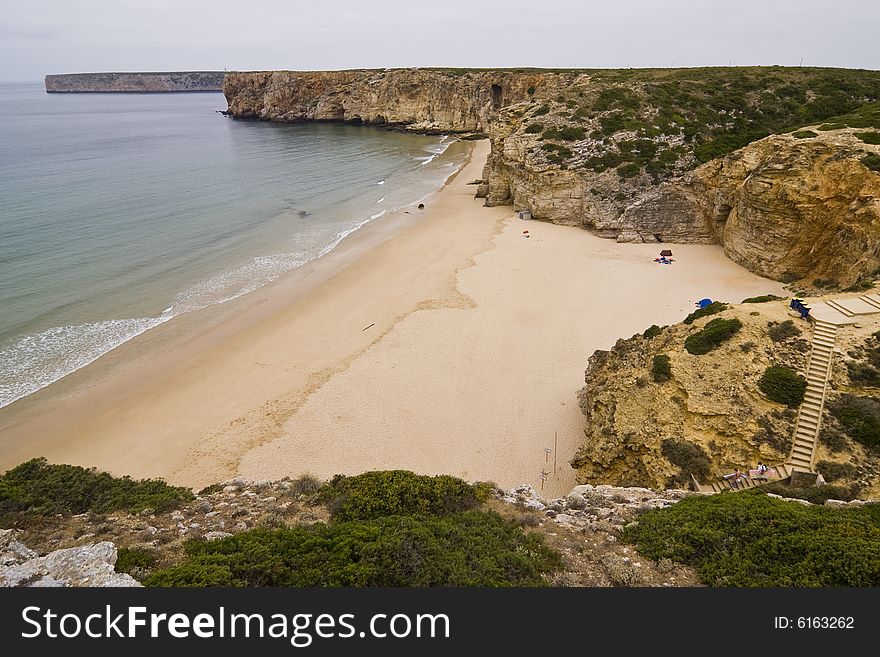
(419, 100)
(619, 152)
(87, 565)
(135, 82)
(708, 415)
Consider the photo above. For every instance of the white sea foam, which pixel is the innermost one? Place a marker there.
(34, 361)
(381, 199)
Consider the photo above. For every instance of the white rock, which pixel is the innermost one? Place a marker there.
(89, 565)
(215, 536)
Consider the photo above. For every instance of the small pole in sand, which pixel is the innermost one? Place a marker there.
(543, 479)
(555, 449)
(547, 451)
(366, 327)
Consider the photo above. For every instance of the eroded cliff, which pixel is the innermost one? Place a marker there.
(420, 100)
(135, 82)
(667, 155)
(650, 424)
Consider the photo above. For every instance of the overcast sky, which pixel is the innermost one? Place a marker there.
(65, 36)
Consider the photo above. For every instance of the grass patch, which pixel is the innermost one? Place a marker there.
(803, 134)
(652, 332)
(872, 161)
(712, 309)
(783, 331)
(716, 332)
(783, 385)
(396, 492)
(689, 457)
(37, 488)
(566, 133)
(661, 369)
(863, 374)
(859, 417)
(749, 539)
(833, 471)
(872, 137)
(534, 128)
(471, 548)
(136, 561)
(762, 299)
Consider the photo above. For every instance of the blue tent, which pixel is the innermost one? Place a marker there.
(702, 303)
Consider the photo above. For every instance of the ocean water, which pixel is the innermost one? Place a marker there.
(119, 212)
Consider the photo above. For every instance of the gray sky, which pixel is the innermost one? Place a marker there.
(65, 36)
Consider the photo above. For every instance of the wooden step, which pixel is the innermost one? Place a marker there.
(841, 309)
(871, 301)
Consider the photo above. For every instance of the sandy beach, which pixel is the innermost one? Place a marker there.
(439, 340)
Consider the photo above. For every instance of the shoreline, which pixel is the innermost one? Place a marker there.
(447, 344)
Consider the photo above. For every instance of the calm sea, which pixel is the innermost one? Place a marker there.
(121, 211)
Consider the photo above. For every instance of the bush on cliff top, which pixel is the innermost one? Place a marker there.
(42, 489)
(689, 457)
(783, 385)
(712, 335)
(470, 548)
(859, 417)
(749, 539)
(661, 370)
(397, 492)
(783, 331)
(712, 309)
(762, 299)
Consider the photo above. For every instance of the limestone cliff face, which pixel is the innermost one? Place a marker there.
(618, 153)
(712, 401)
(786, 208)
(135, 82)
(421, 100)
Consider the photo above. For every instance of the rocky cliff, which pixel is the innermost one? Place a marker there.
(654, 425)
(420, 100)
(135, 82)
(671, 155)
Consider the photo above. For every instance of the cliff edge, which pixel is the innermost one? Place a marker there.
(135, 82)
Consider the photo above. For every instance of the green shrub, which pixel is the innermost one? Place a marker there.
(750, 539)
(396, 492)
(652, 332)
(305, 485)
(211, 489)
(531, 91)
(783, 331)
(872, 137)
(872, 161)
(629, 170)
(712, 309)
(534, 128)
(136, 561)
(471, 548)
(833, 471)
(39, 488)
(833, 439)
(712, 335)
(661, 370)
(784, 385)
(863, 374)
(762, 299)
(803, 134)
(859, 417)
(813, 494)
(541, 111)
(689, 457)
(825, 283)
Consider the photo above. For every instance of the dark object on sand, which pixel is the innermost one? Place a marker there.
(666, 253)
(421, 206)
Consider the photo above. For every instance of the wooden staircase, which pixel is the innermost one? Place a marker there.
(871, 300)
(809, 419)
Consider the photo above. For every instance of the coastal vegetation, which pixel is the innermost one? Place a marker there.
(661, 370)
(762, 299)
(750, 539)
(859, 417)
(783, 385)
(666, 121)
(691, 459)
(712, 309)
(387, 528)
(713, 334)
(39, 489)
(783, 330)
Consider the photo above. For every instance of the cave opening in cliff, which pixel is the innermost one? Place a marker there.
(497, 92)
(356, 120)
